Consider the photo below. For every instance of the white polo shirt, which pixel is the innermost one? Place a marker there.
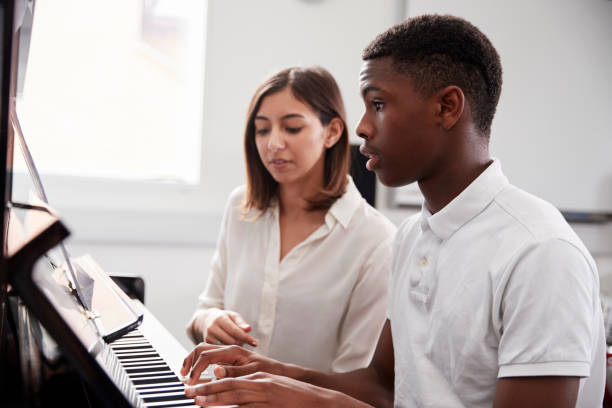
(323, 306)
(496, 284)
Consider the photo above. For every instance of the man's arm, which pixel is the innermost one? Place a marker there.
(373, 384)
(528, 392)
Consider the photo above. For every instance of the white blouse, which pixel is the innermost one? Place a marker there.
(323, 306)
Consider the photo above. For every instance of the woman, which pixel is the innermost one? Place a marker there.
(301, 266)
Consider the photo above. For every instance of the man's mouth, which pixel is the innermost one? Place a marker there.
(374, 158)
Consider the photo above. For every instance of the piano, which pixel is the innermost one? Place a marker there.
(45, 329)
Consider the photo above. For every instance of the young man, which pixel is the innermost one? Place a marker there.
(493, 300)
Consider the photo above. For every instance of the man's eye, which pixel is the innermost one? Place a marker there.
(377, 105)
(261, 132)
(293, 130)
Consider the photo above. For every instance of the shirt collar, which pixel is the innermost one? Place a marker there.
(469, 203)
(344, 207)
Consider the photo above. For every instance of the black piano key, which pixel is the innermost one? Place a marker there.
(162, 374)
(146, 387)
(177, 404)
(155, 363)
(175, 397)
(148, 355)
(156, 380)
(165, 389)
(126, 348)
(147, 370)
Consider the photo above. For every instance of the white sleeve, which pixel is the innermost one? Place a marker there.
(365, 315)
(547, 311)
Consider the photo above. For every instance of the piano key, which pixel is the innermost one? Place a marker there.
(151, 375)
(171, 404)
(137, 357)
(161, 390)
(149, 387)
(171, 396)
(147, 369)
(155, 380)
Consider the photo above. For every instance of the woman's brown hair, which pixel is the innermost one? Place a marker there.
(317, 88)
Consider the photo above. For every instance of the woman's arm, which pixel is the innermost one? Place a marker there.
(216, 326)
(365, 312)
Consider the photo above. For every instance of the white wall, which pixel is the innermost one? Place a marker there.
(551, 130)
(166, 233)
(169, 243)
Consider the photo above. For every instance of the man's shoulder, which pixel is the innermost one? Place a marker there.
(538, 218)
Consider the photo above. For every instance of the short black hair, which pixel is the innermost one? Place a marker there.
(441, 50)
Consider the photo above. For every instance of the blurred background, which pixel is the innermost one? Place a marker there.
(134, 113)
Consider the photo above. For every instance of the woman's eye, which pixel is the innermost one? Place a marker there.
(377, 105)
(293, 130)
(261, 132)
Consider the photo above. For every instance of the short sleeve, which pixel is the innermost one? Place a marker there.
(547, 313)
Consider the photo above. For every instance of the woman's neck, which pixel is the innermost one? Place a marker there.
(294, 198)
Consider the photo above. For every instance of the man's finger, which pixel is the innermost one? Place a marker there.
(191, 357)
(224, 371)
(233, 397)
(224, 385)
(223, 355)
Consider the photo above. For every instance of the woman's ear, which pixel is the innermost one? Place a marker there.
(333, 132)
(451, 106)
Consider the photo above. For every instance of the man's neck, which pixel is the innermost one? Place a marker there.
(454, 177)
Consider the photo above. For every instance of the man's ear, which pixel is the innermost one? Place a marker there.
(451, 104)
(333, 132)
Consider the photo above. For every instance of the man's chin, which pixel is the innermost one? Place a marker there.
(391, 180)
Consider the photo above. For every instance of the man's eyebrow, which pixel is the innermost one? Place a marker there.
(367, 89)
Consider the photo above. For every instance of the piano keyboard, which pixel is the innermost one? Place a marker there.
(153, 380)
(145, 364)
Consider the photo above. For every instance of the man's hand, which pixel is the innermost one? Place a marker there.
(268, 390)
(232, 361)
(224, 327)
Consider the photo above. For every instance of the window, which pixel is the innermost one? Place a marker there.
(113, 89)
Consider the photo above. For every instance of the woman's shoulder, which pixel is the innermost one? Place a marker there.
(236, 197)
(235, 206)
(370, 218)
(366, 220)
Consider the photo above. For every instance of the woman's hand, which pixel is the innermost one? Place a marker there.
(225, 327)
(232, 361)
(268, 390)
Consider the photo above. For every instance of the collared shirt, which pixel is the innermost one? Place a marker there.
(323, 305)
(496, 284)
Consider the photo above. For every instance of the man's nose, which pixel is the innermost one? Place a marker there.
(363, 129)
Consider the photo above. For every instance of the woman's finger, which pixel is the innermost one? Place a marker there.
(218, 333)
(234, 330)
(239, 321)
